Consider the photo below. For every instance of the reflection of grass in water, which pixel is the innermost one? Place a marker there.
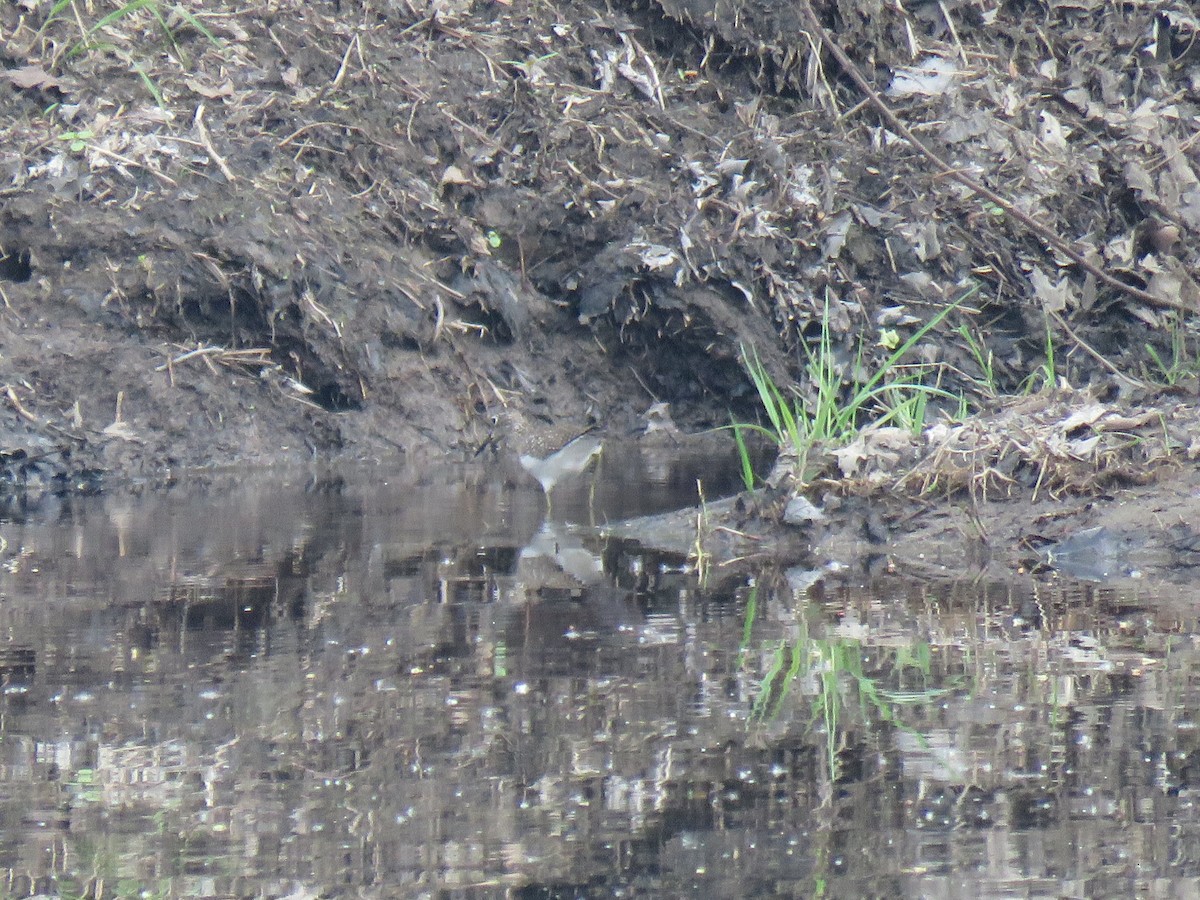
(112, 864)
(106, 880)
(834, 664)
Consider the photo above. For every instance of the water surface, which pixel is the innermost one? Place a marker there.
(416, 684)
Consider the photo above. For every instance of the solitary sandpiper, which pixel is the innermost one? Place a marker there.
(562, 461)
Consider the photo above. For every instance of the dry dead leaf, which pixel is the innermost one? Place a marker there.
(33, 78)
(1055, 296)
(881, 446)
(455, 175)
(210, 91)
(1088, 415)
(122, 430)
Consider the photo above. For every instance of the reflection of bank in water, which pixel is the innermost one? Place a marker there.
(1103, 553)
(244, 599)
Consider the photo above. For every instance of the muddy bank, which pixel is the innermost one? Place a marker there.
(1135, 535)
(294, 231)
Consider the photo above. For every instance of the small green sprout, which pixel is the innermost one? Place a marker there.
(78, 139)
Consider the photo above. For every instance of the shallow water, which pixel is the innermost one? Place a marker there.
(416, 685)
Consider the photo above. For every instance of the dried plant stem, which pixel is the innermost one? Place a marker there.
(202, 130)
(17, 405)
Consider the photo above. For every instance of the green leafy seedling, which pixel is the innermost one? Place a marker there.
(78, 140)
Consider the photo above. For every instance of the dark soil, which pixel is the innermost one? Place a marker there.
(357, 230)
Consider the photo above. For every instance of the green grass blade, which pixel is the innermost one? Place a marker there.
(743, 452)
(191, 19)
(122, 12)
(150, 85)
(900, 352)
(748, 625)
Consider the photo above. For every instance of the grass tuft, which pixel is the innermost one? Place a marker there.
(894, 394)
(89, 34)
(1183, 362)
(1045, 376)
(985, 360)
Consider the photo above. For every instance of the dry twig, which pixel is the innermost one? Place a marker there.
(17, 405)
(202, 130)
